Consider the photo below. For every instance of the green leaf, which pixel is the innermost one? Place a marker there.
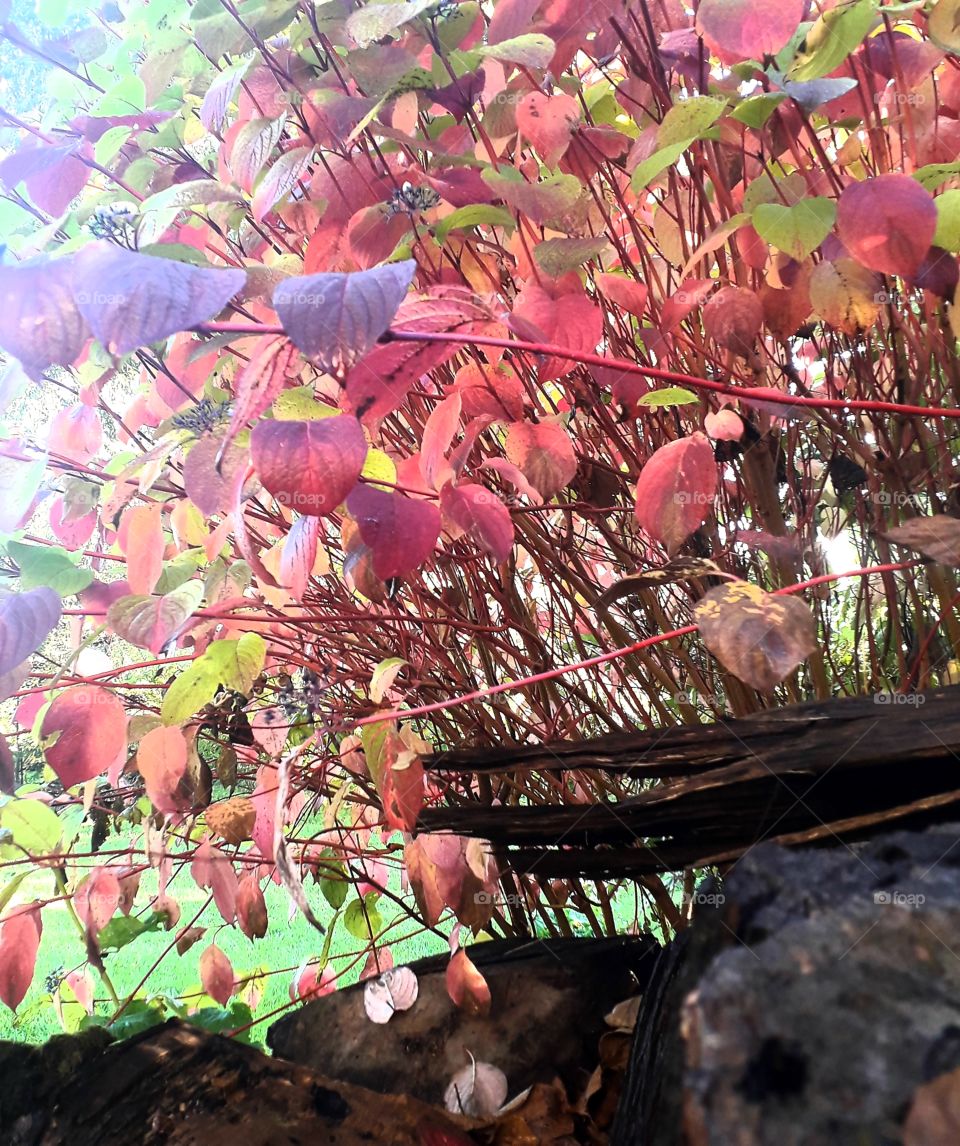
(124, 929)
(476, 215)
(239, 662)
(669, 396)
(374, 21)
(48, 565)
(656, 164)
(933, 174)
(373, 738)
(948, 221)
(333, 879)
(532, 49)
(383, 677)
(688, 119)
(107, 147)
(832, 38)
(194, 687)
(34, 826)
(301, 405)
(796, 230)
(756, 110)
(362, 919)
(223, 1020)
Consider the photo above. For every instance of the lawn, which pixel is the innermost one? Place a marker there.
(290, 940)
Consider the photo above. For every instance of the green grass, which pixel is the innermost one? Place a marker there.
(289, 940)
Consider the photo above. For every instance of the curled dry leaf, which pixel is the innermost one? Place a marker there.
(759, 637)
(937, 537)
(395, 990)
(479, 1090)
(466, 986)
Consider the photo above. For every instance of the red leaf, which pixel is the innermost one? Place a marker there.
(466, 986)
(216, 974)
(336, 318)
(162, 762)
(548, 123)
(309, 466)
(26, 619)
(19, 942)
(495, 391)
(887, 223)
(676, 490)
(39, 320)
(401, 532)
(733, 318)
(626, 293)
(748, 29)
(378, 385)
(566, 316)
(96, 899)
(544, 454)
(76, 433)
(130, 300)
(261, 380)
(92, 733)
(481, 514)
(438, 433)
(251, 908)
(210, 868)
(401, 784)
(140, 537)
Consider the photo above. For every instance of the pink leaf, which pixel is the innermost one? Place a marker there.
(310, 982)
(216, 974)
(544, 453)
(280, 180)
(261, 380)
(565, 315)
(90, 726)
(724, 426)
(676, 490)
(299, 554)
(96, 899)
(162, 762)
(309, 466)
(480, 514)
(76, 433)
(26, 619)
(548, 122)
(336, 318)
(887, 223)
(130, 300)
(438, 434)
(210, 868)
(212, 474)
(71, 532)
(494, 391)
(748, 29)
(395, 990)
(19, 943)
(401, 532)
(628, 294)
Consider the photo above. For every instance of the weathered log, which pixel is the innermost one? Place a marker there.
(179, 1086)
(548, 1001)
(794, 775)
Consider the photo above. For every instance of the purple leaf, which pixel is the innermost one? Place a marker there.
(400, 531)
(25, 622)
(336, 318)
(309, 466)
(130, 300)
(39, 320)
